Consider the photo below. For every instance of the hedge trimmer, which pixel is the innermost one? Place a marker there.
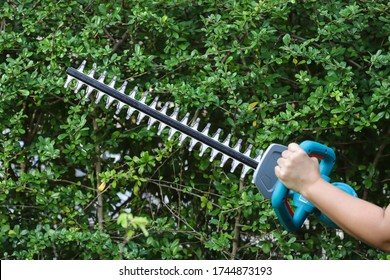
(263, 164)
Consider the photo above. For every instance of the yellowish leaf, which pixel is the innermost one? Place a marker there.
(102, 186)
(136, 190)
(253, 105)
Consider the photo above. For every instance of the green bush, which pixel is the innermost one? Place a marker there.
(265, 71)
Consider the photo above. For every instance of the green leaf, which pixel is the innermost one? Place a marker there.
(286, 39)
(266, 247)
(24, 92)
(233, 64)
(122, 220)
(62, 136)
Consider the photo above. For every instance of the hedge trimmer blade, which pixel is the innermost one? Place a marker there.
(264, 176)
(171, 122)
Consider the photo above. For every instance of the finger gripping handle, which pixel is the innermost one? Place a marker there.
(293, 220)
(322, 152)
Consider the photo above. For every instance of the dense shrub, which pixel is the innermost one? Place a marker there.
(265, 71)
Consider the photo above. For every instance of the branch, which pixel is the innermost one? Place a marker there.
(121, 41)
(98, 169)
(377, 158)
(237, 227)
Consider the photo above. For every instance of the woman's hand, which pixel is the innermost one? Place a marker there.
(296, 170)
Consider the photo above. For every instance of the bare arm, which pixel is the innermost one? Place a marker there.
(359, 218)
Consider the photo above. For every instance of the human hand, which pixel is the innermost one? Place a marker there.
(296, 170)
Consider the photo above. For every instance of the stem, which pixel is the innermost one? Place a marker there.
(378, 155)
(98, 169)
(236, 236)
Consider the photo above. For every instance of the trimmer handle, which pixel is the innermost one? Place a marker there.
(322, 152)
(293, 220)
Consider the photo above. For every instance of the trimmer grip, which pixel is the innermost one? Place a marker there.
(322, 152)
(293, 220)
(283, 210)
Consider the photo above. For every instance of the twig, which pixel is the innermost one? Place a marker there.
(121, 41)
(237, 225)
(98, 169)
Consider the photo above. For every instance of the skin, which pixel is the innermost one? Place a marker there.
(359, 218)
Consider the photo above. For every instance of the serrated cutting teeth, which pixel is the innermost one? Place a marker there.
(78, 86)
(182, 137)
(161, 128)
(88, 91)
(193, 142)
(214, 153)
(130, 112)
(119, 107)
(238, 145)
(140, 117)
(151, 122)
(99, 93)
(224, 158)
(185, 119)
(111, 99)
(92, 72)
(99, 96)
(203, 149)
(248, 150)
(227, 140)
(196, 124)
(143, 99)
(244, 170)
(235, 163)
(258, 158)
(175, 113)
(82, 66)
(154, 103)
(216, 135)
(169, 121)
(171, 133)
(120, 104)
(164, 109)
(68, 80)
(206, 129)
(133, 92)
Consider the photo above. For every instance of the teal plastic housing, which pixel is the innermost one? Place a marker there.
(292, 220)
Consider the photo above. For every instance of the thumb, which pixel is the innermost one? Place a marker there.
(315, 161)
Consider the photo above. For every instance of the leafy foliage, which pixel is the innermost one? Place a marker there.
(266, 71)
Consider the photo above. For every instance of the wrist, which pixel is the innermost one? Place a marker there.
(311, 189)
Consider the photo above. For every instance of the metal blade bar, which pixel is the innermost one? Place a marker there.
(141, 107)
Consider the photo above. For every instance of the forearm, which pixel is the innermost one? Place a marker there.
(357, 217)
